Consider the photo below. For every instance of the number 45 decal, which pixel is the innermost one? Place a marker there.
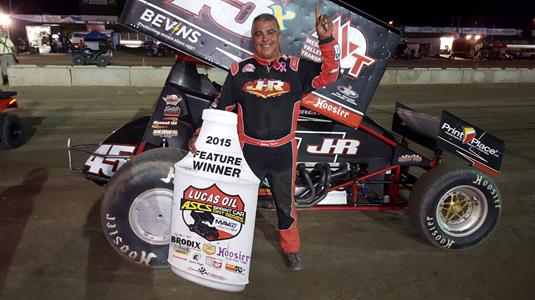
(100, 164)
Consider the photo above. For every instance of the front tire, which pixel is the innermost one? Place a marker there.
(11, 131)
(136, 209)
(455, 209)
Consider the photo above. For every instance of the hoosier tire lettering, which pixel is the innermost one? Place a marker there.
(143, 258)
(455, 209)
(446, 243)
(492, 188)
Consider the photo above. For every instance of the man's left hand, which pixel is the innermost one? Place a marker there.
(324, 25)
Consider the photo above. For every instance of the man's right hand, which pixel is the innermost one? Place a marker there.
(191, 144)
(324, 25)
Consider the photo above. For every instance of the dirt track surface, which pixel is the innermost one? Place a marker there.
(135, 57)
(52, 246)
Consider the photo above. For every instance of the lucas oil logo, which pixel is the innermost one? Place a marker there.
(265, 88)
(212, 214)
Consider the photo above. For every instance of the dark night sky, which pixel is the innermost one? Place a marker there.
(512, 13)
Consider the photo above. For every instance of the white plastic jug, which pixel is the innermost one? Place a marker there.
(214, 208)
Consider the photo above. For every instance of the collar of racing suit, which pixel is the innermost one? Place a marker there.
(276, 63)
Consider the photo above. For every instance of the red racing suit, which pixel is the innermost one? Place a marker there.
(266, 97)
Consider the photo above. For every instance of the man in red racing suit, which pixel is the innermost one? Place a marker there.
(265, 91)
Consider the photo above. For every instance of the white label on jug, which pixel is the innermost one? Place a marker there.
(211, 213)
(222, 164)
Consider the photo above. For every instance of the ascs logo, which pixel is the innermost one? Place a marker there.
(265, 88)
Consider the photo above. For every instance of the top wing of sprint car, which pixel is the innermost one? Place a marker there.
(218, 33)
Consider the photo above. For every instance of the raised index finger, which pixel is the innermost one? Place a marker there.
(317, 12)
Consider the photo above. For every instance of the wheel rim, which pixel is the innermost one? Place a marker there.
(462, 210)
(150, 216)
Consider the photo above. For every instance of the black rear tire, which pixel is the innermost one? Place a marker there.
(455, 209)
(11, 131)
(136, 208)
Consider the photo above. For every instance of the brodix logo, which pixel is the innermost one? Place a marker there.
(170, 26)
(468, 137)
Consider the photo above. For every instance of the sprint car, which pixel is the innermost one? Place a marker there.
(345, 159)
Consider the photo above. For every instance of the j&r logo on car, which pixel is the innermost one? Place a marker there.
(212, 214)
(266, 88)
